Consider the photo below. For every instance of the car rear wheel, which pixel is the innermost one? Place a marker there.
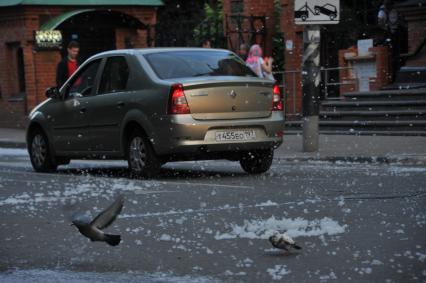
(40, 155)
(256, 162)
(141, 157)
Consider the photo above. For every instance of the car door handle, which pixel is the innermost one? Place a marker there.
(120, 104)
(83, 110)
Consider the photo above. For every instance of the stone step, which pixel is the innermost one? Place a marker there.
(421, 92)
(370, 113)
(340, 103)
(373, 123)
(384, 97)
(298, 131)
(388, 115)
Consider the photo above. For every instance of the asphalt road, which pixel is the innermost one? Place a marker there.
(209, 222)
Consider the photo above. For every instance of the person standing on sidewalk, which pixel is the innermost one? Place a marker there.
(68, 65)
(243, 51)
(262, 68)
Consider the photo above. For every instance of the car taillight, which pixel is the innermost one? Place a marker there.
(178, 103)
(277, 99)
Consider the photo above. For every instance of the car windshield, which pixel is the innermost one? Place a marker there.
(184, 64)
(330, 7)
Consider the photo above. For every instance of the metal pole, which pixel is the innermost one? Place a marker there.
(311, 75)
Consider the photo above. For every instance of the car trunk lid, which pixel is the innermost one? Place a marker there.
(228, 98)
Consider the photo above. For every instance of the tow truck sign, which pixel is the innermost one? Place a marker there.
(316, 12)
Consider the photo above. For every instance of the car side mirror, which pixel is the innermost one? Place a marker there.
(52, 92)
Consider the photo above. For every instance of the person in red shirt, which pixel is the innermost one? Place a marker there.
(68, 65)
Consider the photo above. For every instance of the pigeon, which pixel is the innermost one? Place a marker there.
(92, 229)
(283, 242)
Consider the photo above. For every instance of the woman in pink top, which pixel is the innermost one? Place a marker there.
(257, 64)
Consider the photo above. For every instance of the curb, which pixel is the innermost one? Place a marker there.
(13, 144)
(357, 159)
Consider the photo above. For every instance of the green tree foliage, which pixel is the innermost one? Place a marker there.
(211, 27)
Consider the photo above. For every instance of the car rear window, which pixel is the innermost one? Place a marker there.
(184, 64)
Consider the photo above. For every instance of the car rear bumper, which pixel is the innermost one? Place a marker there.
(187, 135)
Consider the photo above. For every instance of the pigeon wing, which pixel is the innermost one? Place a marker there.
(106, 217)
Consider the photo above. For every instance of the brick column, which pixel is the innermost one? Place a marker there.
(293, 35)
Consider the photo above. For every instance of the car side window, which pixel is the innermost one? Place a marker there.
(83, 83)
(115, 75)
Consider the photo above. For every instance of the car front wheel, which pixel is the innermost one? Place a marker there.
(40, 155)
(141, 157)
(256, 162)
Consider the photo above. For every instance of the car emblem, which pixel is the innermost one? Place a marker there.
(233, 94)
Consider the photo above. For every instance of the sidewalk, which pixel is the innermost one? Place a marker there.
(382, 149)
(351, 148)
(14, 138)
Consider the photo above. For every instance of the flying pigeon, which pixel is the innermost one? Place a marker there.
(283, 241)
(92, 229)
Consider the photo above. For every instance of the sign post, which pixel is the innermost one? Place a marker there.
(313, 13)
(311, 77)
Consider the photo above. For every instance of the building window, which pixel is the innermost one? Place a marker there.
(21, 69)
(15, 82)
(237, 7)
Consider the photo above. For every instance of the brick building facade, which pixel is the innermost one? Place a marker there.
(25, 72)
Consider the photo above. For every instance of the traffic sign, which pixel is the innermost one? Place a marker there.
(316, 12)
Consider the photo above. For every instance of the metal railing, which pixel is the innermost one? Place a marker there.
(289, 78)
(327, 84)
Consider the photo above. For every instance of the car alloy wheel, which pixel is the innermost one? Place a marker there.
(40, 156)
(39, 150)
(137, 154)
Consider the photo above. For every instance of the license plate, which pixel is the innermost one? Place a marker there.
(240, 135)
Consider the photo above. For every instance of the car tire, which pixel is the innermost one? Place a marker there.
(141, 157)
(257, 162)
(332, 17)
(304, 18)
(39, 150)
(317, 12)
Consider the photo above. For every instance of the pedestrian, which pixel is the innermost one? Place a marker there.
(255, 61)
(389, 20)
(242, 52)
(68, 65)
(206, 43)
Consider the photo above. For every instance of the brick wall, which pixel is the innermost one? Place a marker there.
(17, 25)
(12, 36)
